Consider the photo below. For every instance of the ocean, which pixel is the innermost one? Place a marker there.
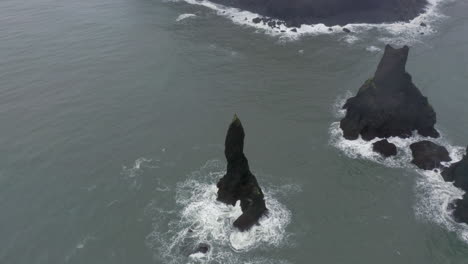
(113, 115)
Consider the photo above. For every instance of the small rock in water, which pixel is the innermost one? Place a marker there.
(330, 29)
(428, 156)
(294, 30)
(346, 30)
(257, 20)
(384, 148)
(202, 248)
(423, 24)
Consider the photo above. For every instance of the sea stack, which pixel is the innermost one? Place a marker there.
(389, 104)
(239, 183)
(332, 12)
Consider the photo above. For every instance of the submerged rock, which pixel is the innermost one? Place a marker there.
(346, 30)
(332, 12)
(384, 148)
(428, 155)
(239, 183)
(389, 104)
(458, 173)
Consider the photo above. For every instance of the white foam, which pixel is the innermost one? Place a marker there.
(202, 219)
(434, 194)
(373, 49)
(389, 33)
(133, 173)
(185, 16)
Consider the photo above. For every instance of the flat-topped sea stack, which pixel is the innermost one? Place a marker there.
(332, 12)
(239, 183)
(389, 104)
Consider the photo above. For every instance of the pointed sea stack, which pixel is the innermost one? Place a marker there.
(389, 104)
(239, 183)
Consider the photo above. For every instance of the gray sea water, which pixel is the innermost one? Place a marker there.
(113, 116)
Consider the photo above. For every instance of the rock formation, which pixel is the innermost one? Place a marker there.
(384, 148)
(332, 12)
(458, 173)
(239, 183)
(428, 155)
(389, 104)
(460, 209)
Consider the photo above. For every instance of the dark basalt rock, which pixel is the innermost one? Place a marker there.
(384, 148)
(458, 173)
(332, 12)
(428, 155)
(460, 209)
(389, 104)
(346, 30)
(460, 214)
(239, 183)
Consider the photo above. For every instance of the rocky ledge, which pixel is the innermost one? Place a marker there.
(331, 12)
(239, 183)
(389, 104)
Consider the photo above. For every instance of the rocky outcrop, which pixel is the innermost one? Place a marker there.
(428, 155)
(239, 183)
(332, 12)
(460, 209)
(389, 104)
(384, 148)
(458, 173)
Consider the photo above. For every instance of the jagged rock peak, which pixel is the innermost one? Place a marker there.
(392, 65)
(389, 104)
(239, 183)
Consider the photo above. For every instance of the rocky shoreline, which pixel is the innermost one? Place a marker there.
(330, 12)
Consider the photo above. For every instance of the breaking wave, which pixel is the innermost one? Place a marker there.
(433, 193)
(184, 16)
(396, 33)
(198, 219)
